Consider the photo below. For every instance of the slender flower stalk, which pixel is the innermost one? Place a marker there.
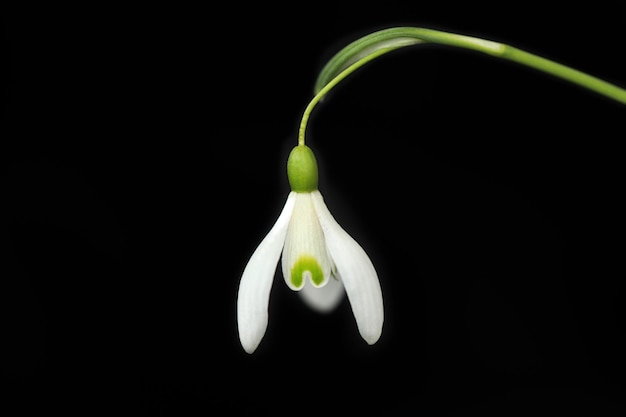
(371, 46)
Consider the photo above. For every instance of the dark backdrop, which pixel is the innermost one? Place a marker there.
(143, 158)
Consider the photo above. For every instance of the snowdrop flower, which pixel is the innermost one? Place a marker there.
(319, 260)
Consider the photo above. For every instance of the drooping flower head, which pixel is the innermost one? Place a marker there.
(320, 260)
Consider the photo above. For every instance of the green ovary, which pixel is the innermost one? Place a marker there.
(306, 263)
(302, 169)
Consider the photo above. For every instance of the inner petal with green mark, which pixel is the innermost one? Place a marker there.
(307, 267)
(305, 255)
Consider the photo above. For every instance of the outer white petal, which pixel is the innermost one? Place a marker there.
(356, 272)
(324, 299)
(256, 281)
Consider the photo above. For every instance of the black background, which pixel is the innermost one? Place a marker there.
(143, 158)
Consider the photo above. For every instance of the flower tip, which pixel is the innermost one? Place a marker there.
(250, 343)
(371, 338)
(371, 333)
(249, 348)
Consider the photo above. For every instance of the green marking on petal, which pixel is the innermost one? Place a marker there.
(304, 264)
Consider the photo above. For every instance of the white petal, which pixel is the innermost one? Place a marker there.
(305, 250)
(324, 299)
(256, 281)
(356, 272)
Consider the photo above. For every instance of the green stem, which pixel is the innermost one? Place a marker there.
(371, 46)
(329, 86)
(566, 73)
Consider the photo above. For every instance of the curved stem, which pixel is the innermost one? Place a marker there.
(329, 86)
(371, 46)
(564, 72)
